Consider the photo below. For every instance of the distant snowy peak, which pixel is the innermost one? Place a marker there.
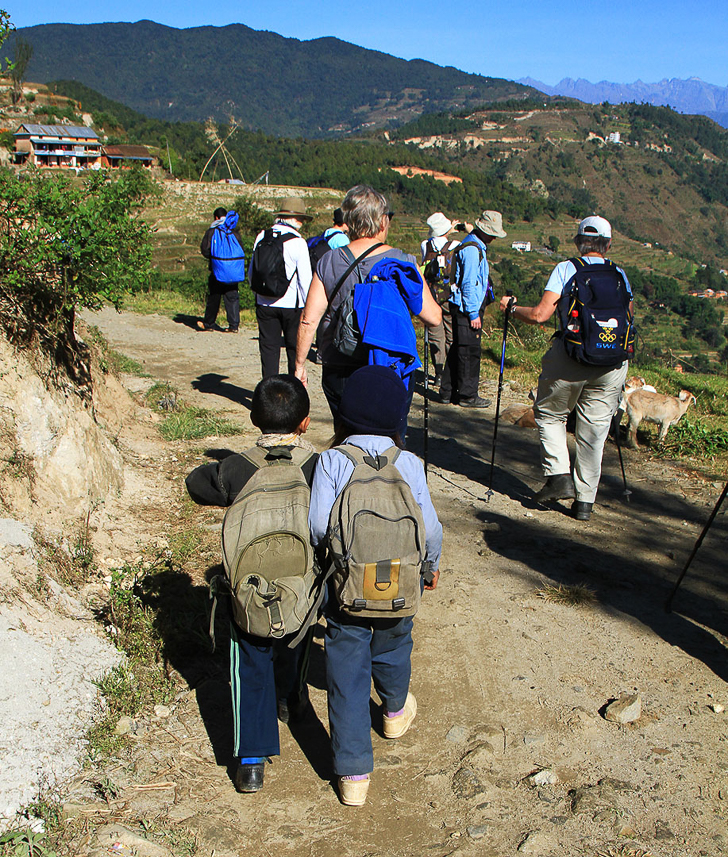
(686, 96)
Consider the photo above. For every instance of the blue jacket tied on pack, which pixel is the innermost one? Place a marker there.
(383, 303)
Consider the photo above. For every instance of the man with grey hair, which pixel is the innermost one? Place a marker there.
(280, 274)
(566, 383)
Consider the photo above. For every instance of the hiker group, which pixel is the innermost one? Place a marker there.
(351, 534)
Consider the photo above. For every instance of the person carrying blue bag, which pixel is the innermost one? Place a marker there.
(222, 247)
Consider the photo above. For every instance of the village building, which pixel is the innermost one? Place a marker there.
(57, 146)
(522, 246)
(125, 156)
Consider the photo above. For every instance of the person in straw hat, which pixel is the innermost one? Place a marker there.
(280, 316)
(437, 251)
(469, 290)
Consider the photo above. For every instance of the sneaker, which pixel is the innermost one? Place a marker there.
(395, 727)
(559, 487)
(231, 330)
(249, 776)
(353, 792)
(475, 402)
(581, 510)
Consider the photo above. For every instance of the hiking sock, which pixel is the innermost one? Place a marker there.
(252, 760)
(356, 778)
(394, 713)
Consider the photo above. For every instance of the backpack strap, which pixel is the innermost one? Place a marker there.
(358, 456)
(350, 255)
(462, 246)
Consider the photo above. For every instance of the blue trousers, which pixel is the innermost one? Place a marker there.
(262, 671)
(357, 651)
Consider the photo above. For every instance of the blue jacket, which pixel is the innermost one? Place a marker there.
(470, 280)
(383, 303)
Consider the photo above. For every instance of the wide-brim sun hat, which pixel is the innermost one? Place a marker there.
(293, 206)
(439, 225)
(491, 223)
(374, 401)
(596, 226)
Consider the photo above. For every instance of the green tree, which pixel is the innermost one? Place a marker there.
(64, 245)
(22, 54)
(554, 243)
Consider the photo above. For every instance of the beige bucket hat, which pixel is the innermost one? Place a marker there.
(491, 222)
(439, 225)
(293, 206)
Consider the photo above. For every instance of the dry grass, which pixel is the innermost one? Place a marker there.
(572, 596)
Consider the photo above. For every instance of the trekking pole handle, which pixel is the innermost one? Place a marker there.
(511, 302)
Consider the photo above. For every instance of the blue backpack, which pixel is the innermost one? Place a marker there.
(597, 327)
(227, 256)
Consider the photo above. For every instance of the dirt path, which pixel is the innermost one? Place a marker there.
(508, 684)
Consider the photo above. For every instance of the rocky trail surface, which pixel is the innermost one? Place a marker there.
(510, 752)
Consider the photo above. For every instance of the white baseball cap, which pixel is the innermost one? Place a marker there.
(595, 225)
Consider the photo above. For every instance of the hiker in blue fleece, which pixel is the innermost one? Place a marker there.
(469, 285)
(360, 650)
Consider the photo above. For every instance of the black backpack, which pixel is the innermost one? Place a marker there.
(437, 270)
(268, 271)
(597, 327)
(319, 246)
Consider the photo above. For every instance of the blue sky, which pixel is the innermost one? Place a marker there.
(620, 41)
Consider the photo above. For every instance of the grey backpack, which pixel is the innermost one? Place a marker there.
(270, 567)
(376, 539)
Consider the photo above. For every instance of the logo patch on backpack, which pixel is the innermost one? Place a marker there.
(597, 328)
(266, 549)
(376, 539)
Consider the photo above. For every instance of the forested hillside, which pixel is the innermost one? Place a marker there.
(268, 82)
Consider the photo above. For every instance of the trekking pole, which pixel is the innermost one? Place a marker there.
(616, 420)
(500, 390)
(668, 603)
(426, 420)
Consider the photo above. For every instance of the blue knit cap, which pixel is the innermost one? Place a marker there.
(374, 401)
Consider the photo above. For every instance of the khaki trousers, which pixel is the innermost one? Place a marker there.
(594, 391)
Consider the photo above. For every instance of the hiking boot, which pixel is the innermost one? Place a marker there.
(203, 328)
(353, 792)
(445, 398)
(559, 487)
(475, 402)
(395, 727)
(231, 330)
(295, 708)
(581, 510)
(249, 777)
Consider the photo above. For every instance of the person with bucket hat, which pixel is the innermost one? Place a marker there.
(437, 251)
(567, 383)
(280, 274)
(470, 292)
(365, 648)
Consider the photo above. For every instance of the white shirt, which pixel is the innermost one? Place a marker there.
(298, 269)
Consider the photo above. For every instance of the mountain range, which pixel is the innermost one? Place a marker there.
(686, 96)
(280, 85)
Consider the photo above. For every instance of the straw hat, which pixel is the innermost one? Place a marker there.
(292, 206)
(491, 223)
(439, 225)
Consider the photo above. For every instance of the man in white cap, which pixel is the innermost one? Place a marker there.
(280, 274)
(437, 251)
(566, 383)
(469, 291)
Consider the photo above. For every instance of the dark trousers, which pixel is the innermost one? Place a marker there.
(333, 381)
(229, 293)
(462, 368)
(262, 671)
(274, 322)
(357, 652)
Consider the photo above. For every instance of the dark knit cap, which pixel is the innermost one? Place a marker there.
(374, 401)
